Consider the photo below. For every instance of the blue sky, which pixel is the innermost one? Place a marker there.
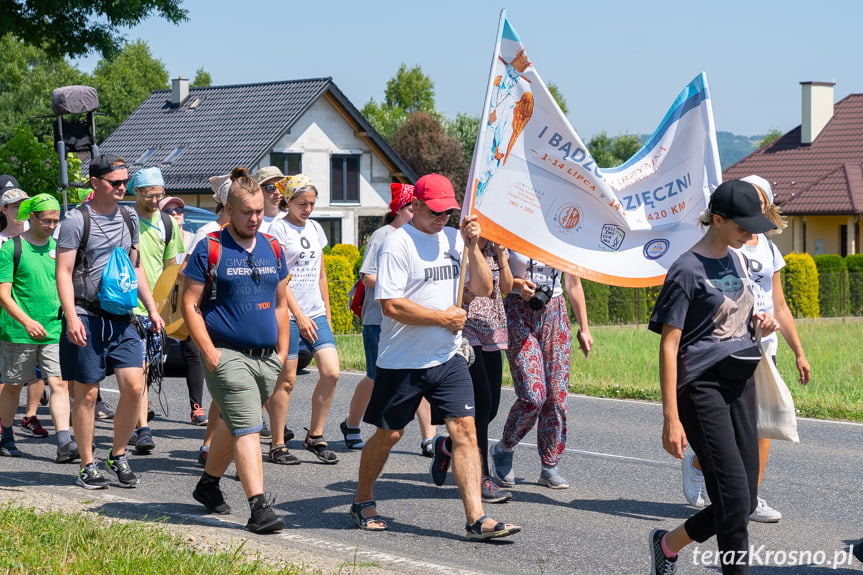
(618, 63)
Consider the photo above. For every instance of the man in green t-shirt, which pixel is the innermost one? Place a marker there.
(30, 323)
(160, 240)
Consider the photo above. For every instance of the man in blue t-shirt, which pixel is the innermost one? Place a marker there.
(237, 314)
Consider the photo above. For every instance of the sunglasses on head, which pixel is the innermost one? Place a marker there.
(116, 183)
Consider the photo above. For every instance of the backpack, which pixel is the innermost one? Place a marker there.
(357, 297)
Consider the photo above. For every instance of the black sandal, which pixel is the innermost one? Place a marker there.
(282, 455)
(318, 446)
(475, 532)
(353, 437)
(366, 522)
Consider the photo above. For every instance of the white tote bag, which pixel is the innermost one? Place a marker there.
(777, 418)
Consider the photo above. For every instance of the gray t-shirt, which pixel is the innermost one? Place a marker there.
(106, 233)
(372, 313)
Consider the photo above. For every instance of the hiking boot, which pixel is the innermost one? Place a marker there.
(660, 563)
(440, 461)
(501, 466)
(31, 426)
(427, 447)
(198, 416)
(119, 466)
(550, 477)
(210, 496)
(90, 478)
(203, 453)
(67, 453)
(264, 519)
(144, 442)
(764, 513)
(8, 448)
(693, 483)
(318, 446)
(492, 493)
(103, 411)
(353, 437)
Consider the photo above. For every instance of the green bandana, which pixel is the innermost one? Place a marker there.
(38, 203)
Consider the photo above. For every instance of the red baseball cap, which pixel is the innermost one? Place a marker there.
(436, 191)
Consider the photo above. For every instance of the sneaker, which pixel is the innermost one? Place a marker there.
(427, 447)
(764, 513)
(119, 466)
(67, 453)
(203, 453)
(353, 438)
(90, 478)
(31, 426)
(440, 462)
(501, 466)
(266, 433)
(133, 439)
(264, 519)
(144, 442)
(8, 448)
(693, 483)
(550, 477)
(210, 496)
(492, 493)
(103, 411)
(198, 416)
(660, 564)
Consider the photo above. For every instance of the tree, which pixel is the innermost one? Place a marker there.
(465, 129)
(423, 144)
(384, 119)
(27, 76)
(78, 27)
(558, 97)
(410, 90)
(203, 79)
(34, 163)
(769, 138)
(124, 82)
(610, 152)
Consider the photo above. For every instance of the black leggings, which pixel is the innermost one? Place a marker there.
(194, 373)
(718, 416)
(486, 373)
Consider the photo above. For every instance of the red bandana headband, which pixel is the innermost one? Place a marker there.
(402, 195)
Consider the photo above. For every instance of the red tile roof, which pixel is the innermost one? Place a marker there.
(825, 177)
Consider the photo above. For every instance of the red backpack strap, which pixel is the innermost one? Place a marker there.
(277, 250)
(214, 254)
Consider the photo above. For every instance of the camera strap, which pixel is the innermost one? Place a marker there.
(553, 274)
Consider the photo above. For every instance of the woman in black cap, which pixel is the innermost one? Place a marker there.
(705, 314)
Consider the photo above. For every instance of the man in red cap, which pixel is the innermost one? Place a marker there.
(418, 275)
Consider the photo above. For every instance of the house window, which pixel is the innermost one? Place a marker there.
(144, 157)
(332, 229)
(172, 157)
(291, 163)
(345, 178)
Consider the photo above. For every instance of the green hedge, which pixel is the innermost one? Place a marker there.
(800, 285)
(340, 278)
(832, 284)
(596, 300)
(854, 265)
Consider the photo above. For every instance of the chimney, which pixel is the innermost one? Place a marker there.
(180, 91)
(817, 100)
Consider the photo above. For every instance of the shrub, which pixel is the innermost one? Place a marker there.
(596, 299)
(348, 251)
(832, 284)
(650, 295)
(626, 305)
(340, 279)
(854, 264)
(800, 285)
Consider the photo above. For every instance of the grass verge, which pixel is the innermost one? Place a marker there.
(625, 363)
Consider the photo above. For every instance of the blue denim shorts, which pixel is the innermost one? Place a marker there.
(371, 339)
(324, 333)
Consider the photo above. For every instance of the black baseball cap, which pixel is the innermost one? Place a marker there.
(7, 182)
(739, 201)
(104, 164)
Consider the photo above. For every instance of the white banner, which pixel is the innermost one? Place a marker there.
(537, 190)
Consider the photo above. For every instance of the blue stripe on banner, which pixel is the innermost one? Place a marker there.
(509, 32)
(690, 97)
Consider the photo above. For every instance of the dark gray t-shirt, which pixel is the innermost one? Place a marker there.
(372, 313)
(106, 233)
(707, 299)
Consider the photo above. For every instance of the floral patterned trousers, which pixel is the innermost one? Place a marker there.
(540, 346)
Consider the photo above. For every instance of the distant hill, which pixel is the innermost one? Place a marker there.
(733, 148)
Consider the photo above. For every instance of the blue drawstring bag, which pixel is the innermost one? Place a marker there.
(119, 292)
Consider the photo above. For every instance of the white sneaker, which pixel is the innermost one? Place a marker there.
(693, 483)
(764, 513)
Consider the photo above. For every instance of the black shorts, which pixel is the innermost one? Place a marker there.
(397, 394)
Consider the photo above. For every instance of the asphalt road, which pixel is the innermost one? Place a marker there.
(622, 485)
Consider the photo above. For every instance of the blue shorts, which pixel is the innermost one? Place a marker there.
(324, 333)
(397, 394)
(111, 344)
(371, 339)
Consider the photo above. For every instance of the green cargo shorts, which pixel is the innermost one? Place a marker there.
(240, 386)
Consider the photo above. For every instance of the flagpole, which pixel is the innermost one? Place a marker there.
(483, 120)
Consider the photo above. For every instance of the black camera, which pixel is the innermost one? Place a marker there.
(541, 296)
